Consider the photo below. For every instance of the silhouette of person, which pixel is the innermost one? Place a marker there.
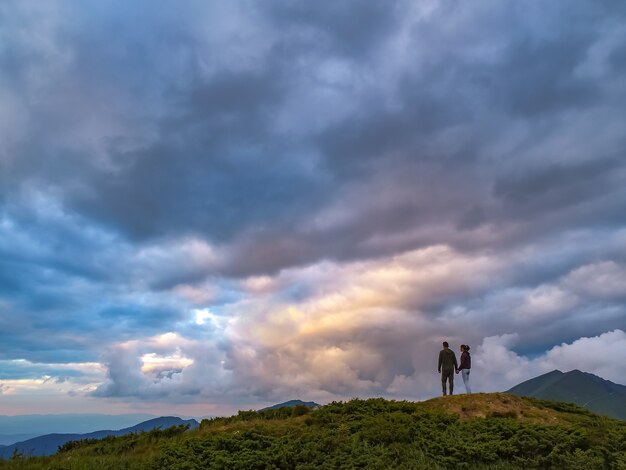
(466, 365)
(447, 366)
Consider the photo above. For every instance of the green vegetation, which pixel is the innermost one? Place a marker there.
(495, 431)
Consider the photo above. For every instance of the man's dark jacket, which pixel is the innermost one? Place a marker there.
(447, 360)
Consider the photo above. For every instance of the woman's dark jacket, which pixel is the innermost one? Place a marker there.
(466, 361)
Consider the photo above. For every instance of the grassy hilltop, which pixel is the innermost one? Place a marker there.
(495, 431)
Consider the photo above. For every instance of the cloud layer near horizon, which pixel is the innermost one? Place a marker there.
(243, 202)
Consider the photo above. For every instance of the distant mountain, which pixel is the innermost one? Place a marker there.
(584, 389)
(49, 443)
(29, 426)
(292, 403)
(6, 439)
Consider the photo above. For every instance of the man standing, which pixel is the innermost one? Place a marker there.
(447, 367)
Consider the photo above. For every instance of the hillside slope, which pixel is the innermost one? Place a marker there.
(581, 388)
(495, 431)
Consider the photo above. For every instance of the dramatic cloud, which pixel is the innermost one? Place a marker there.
(237, 203)
(371, 328)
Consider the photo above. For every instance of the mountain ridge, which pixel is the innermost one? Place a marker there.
(291, 404)
(580, 388)
(17, 428)
(48, 444)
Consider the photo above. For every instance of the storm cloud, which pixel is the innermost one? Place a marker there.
(250, 201)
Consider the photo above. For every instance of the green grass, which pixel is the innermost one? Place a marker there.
(483, 431)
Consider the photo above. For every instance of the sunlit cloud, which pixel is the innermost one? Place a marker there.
(152, 362)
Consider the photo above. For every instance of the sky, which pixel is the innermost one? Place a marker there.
(210, 206)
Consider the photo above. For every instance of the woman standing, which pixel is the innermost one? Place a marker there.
(465, 366)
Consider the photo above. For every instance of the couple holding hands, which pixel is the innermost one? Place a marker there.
(448, 366)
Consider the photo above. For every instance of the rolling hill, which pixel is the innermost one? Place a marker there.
(581, 388)
(481, 431)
